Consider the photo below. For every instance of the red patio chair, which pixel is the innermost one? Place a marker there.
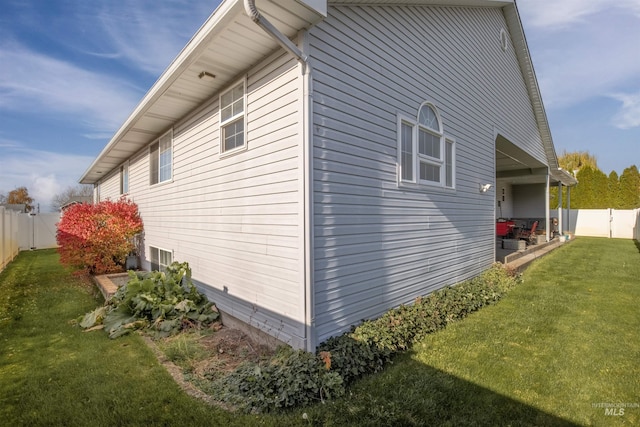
(528, 234)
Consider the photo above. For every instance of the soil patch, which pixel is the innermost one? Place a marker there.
(196, 358)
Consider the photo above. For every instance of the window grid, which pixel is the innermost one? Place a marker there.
(161, 159)
(232, 118)
(423, 148)
(160, 258)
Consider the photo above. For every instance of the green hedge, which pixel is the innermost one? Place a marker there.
(295, 378)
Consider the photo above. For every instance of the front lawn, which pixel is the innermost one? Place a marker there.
(550, 353)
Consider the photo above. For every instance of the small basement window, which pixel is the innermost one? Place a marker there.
(160, 258)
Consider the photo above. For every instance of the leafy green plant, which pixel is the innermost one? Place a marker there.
(292, 378)
(297, 378)
(162, 302)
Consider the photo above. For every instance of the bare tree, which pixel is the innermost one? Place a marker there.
(78, 193)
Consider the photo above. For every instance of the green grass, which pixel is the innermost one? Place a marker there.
(54, 374)
(564, 340)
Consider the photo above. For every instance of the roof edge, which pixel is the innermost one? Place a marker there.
(225, 11)
(523, 54)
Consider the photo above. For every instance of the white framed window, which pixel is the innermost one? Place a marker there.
(160, 258)
(233, 117)
(161, 159)
(124, 178)
(425, 155)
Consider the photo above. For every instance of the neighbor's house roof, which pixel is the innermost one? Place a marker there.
(76, 200)
(15, 207)
(229, 43)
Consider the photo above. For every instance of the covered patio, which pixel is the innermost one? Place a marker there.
(523, 186)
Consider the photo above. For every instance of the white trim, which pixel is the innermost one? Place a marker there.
(151, 247)
(157, 141)
(417, 158)
(452, 141)
(504, 40)
(410, 122)
(124, 167)
(233, 118)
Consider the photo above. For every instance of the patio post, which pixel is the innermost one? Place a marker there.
(560, 209)
(546, 205)
(569, 209)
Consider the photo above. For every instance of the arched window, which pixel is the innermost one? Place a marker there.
(425, 154)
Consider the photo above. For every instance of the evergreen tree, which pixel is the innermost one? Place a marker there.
(613, 191)
(591, 191)
(629, 195)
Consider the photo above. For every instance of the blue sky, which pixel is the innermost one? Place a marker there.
(72, 70)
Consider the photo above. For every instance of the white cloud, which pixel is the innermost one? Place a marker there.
(44, 173)
(591, 56)
(32, 82)
(629, 114)
(149, 36)
(561, 14)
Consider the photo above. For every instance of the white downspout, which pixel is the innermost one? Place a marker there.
(253, 13)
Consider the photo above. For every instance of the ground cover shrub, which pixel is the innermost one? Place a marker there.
(299, 378)
(291, 378)
(161, 302)
(98, 237)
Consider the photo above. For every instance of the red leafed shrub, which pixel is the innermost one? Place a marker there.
(98, 237)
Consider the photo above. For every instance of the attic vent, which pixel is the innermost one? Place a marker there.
(503, 40)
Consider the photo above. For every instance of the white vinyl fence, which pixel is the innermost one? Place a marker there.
(21, 231)
(612, 223)
(8, 236)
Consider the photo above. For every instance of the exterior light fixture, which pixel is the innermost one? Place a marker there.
(485, 187)
(205, 75)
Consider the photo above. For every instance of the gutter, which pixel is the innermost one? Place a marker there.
(307, 113)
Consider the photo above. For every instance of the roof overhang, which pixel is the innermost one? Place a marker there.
(526, 66)
(464, 3)
(228, 44)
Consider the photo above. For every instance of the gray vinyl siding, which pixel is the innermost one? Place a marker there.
(236, 218)
(376, 245)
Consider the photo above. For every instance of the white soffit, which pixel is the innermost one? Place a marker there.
(226, 45)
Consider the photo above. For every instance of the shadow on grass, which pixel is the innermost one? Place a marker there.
(637, 242)
(409, 393)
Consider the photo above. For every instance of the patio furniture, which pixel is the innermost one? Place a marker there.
(527, 234)
(504, 228)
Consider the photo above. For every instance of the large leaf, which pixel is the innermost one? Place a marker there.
(166, 300)
(93, 318)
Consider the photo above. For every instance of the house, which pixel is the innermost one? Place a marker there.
(75, 200)
(318, 163)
